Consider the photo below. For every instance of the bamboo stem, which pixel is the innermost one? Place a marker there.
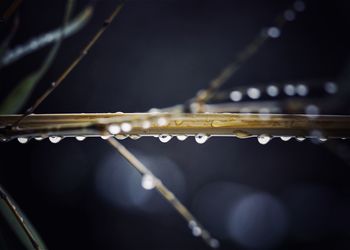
(150, 124)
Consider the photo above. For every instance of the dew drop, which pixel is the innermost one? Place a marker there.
(285, 138)
(196, 231)
(253, 93)
(289, 89)
(121, 137)
(114, 129)
(181, 137)
(201, 138)
(214, 243)
(236, 96)
(312, 110)
(272, 90)
(322, 139)
(23, 140)
(148, 182)
(135, 137)
(39, 138)
(331, 87)
(105, 137)
(126, 127)
(55, 139)
(273, 32)
(165, 138)
(300, 138)
(80, 138)
(302, 90)
(264, 139)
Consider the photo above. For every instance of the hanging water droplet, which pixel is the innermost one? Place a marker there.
(300, 138)
(165, 138)
(253, 93)
(312, 110)
(302, 90)
(181, 137)
(236, 96)
(23, 139)
(55, 139)
(264, 139)
(331, 87)
(39, 138)
(135, 137)
(80, 138)
(323, 139)
(146, 124)
(201, 138)
(196, 231)
(121, 137)
(285, 138)
(105, 137)
(214, 243)
(273, 32)
(289, 89)
(272, 90)
(148, 182)
(114, 129)
(162, 121)
(126, 127)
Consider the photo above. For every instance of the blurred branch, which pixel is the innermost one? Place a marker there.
(150, 181)
(52, 36)
(5, 43)
(17, 98)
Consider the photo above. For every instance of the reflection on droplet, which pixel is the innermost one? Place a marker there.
(105, 137)
(23, 139)
(331, 87)
(236, 96)
(302, 90)
(300, 138)
(114, 129)
(162, 121)
(289, 89)
(39, 138)
(273, 32)
(148, 182)
(55, 139)
(146, 124)
(272, 90)
(253, 93)
(126, 127)
(201, 138)
(80, 138)
(285, 138)
(264, 139)
(289, 15)
(165, 138)
(181, 137)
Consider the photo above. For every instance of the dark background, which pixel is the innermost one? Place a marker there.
(82, 195)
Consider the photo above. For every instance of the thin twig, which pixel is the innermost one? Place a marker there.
(60, 79)
(155, 182)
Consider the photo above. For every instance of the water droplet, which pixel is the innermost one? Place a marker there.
(23, 139)
(289, 15)
(55, 139)
(273, 32)
(331, 87)
(196, 231)
(264, 139)
(148, 182)
(299, 6)
(253, 93)
(201, 138)
(126, 127)
(80, 138)
(154, 111)
(272, 90)
(181, 137)
(114, 129)
(39, 138)
(105, 137)
(285, 138)
(146, 124)
(241, 134)
(236, 96)
(214, 243)
(162, 121)
(312, 110)
(135, 137)
(289, 89)
(121, 137)
(322, 139)
(165, 138)
(300, 138)
(302, 90)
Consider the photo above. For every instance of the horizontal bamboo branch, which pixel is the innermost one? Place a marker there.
(156, 124)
